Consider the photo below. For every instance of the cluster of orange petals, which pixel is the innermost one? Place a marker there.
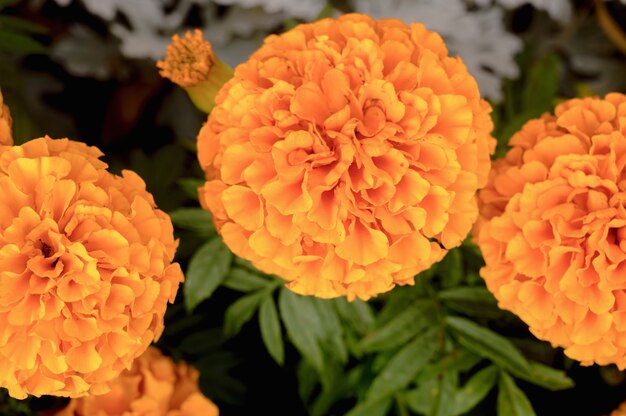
(155, 385)
(188, 59)
(6, 137)
(86, 269)
(345, 154)
(553, 228)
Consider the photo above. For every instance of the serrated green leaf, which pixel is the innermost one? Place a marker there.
(451, 269)
(270, 330)
(332, 331)
(403, 327)
(511, 399)
(242, 280)
(404, 365)
(546, 377)
(475, 390)
(190, 186)
(488, 344)
(240, 312)
(372, 408)
(194, 219)
(18, 43)
(207, 269)
(302, 322)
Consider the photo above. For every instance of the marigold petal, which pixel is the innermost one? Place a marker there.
(363, 245)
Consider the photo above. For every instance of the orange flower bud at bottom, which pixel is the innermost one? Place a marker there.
(155, 385)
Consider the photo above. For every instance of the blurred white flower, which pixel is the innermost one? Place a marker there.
(559, 10)
(148, 25)
(300, 9)
(84, 53)
(477, 36)
(240, 32)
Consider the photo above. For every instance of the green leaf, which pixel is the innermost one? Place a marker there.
(401, 298)
(460, 360)
(372, 408)
(289, 24)
(207, 269)
(17, 43)
(167, 165)
(451, 269)
(301, 321)
(344, 385)
(475, 390)
(7, 3)
(402, 328)
(404, 365)
(512, 126)
(240, 312)
(444, 403)
(511, 400)
(308, 378)
(15, 24)
(194, 219)
(487, 343)
(199, 343)
(542, 84)
(468, 294)
(243, 280)
(358, 313)
(331, 329)
(190, 186)
(270, 330)
(546, 377)
(423, 398)
(327, 11)
(472, 301)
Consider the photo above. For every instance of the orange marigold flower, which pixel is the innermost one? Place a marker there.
(345, 155)
(191, 63)
(553, 228)
(155, 385)
(6, 137)
(620, 411)
(85, 269)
